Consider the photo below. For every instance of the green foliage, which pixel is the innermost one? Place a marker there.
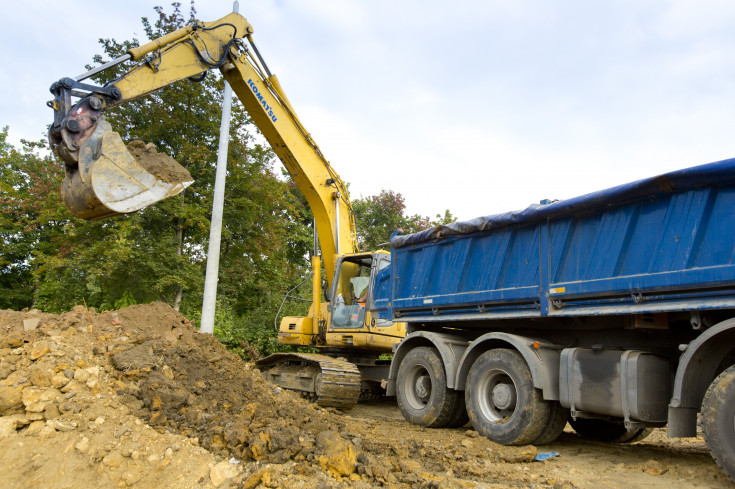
(378, 216)
(32, 224)
(248, 334)
(126, 300)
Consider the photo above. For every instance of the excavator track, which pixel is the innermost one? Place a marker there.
(333, 382)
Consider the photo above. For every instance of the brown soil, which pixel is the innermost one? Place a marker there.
(138, 398)
(161, 165)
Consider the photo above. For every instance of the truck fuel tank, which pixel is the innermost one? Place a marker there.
(628, 384)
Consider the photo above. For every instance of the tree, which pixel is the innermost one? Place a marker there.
(378, 216)
(31, 227)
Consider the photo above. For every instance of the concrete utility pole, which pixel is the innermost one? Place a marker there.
(218, 204)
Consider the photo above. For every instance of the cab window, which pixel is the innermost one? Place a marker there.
(350, 292)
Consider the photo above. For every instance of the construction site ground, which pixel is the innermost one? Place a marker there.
(139, 398)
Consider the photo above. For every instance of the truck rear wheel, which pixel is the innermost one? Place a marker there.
(421, 390)
(607, 431)
(502, 402)
(718, 420)
(558, 416)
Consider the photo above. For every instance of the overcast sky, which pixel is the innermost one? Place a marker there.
(478, 107)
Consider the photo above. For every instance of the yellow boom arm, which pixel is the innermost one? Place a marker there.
(192, 51)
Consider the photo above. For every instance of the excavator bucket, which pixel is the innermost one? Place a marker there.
(110, 181)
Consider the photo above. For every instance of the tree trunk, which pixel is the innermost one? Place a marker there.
(177, 300)
(36, 284)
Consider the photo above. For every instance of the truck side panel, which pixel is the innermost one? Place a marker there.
(671, 251)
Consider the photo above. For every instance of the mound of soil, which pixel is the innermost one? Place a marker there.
(161, 165)
(139, 398)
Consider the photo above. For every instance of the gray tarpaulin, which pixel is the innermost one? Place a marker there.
(711, 174)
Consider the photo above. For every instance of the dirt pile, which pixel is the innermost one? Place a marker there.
(62, 423)
(161, 165)
(199, 389)
(139, 398)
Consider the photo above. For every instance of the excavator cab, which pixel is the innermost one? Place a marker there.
(357, 300)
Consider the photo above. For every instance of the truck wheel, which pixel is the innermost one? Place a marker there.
(635, 435)
(502, 402)
(718, 420)
(558, 416)
(607, 431)
(421, 390)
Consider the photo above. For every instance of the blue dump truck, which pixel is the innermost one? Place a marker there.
(613, 311)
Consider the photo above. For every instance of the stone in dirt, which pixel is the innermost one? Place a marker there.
(31, 324)
(10, 400)
(255, 479)
(654, 467)
(336, 454)
(8, 424)
(37, 399)
(223, 471)
(138, 357)
(39, 349)
(515, 455)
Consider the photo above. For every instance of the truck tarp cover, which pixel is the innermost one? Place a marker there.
(716, 174)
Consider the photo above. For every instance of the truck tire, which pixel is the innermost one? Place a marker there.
(421, 390)
(607, 431)
(558, 416)
(635, 435)
(718, 420)
(502, 402)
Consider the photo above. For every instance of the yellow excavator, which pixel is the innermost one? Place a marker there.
(103, 180)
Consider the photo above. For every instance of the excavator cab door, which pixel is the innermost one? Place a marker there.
(350, 292)
(358, 317)
(379, 303)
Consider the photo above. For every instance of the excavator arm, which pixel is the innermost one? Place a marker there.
(98, 165)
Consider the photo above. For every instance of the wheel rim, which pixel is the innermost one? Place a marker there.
(497, 395)
(417, 386)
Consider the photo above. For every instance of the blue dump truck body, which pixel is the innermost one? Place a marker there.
(659, 244)
(614, 311)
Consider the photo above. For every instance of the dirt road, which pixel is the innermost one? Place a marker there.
(655, 462)
(139, 398)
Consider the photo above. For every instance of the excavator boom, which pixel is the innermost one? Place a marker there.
(104, 180)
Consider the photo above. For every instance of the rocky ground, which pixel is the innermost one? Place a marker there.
(139, 398)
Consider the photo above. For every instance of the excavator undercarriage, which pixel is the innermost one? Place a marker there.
(330, 382)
